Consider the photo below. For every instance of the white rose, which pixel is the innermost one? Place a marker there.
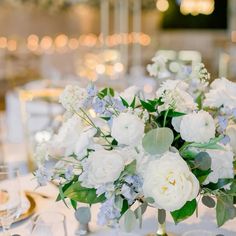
(221, 165)
(197, 127)
(127, 129)
(73, 98)
(102, 167)
(169, 182)
(231, 132)
(222, 93)
(129, 93)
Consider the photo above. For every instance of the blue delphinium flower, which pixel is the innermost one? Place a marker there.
(99, 105)
(69, 172)
(223, 123)
(225, 140)
(92, 90)
(43, 175)
(108, 212)
(118, 105)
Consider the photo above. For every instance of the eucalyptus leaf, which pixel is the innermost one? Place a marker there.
(225, 209)
(83, 215)
(203, 161)
(119, 202)
(128, 221)
(208, 201)
(212, 144)
(131, 168)
(149, 200)
(158, 141)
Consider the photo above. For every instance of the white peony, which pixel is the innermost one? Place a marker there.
(221, 165)
(129, 93)
(222, 93)
(169, 182)
(73, 137)
(73, 98)
(231, 132)
(127, 129)
(197, 127)
(176, 121)
(102, 167)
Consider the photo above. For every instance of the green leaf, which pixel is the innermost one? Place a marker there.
(225, 209)
(208, 201)
(133, 103)
(111, 92)
(73, 203)
(149, 200)
(158, 141)
(119, 202)
(201, 174)
(186, 211)
(172, 113)
(83, 215)
(128, 221)
(124, 102)
(81, 194)
(203, 161)
(139, 211)
(149, 107)
(131, 168)
(125, 206)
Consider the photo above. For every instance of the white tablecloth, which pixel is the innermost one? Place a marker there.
(206, 219)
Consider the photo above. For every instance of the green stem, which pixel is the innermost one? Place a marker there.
(165, 117)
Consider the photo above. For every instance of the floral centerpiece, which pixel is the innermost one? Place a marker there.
(128, 153)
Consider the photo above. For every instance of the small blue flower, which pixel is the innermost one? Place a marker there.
(92, 90)
(118, 105)
(43, 175)
(108, 212)
(225, 140)
(223, 123)
(99, 105)
(69, 172)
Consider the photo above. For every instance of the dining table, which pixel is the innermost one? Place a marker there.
(45, 198)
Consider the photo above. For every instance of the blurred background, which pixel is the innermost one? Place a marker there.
(46, 44)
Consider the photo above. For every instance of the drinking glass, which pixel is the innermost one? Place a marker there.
(50, 224)
(10, 197)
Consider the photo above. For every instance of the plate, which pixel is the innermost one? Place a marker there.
(31, 210)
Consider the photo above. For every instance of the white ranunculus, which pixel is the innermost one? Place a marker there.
(171, 85)
(127, 129)
(129, 93)
(170, 182)
(102, 167)
(73, 137)
(176, 99)
(221, 165)
(73, 98)
(222, 93)
(197, 127)
(231, 132)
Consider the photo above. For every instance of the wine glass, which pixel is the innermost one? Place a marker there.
(10, 197)
(50, 224)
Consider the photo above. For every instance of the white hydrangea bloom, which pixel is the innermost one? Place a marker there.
(222, 93)
(73, 98)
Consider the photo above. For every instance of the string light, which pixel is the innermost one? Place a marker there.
(196, 7)
(162, 5)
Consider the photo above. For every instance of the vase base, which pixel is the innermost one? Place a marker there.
(155, 234)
